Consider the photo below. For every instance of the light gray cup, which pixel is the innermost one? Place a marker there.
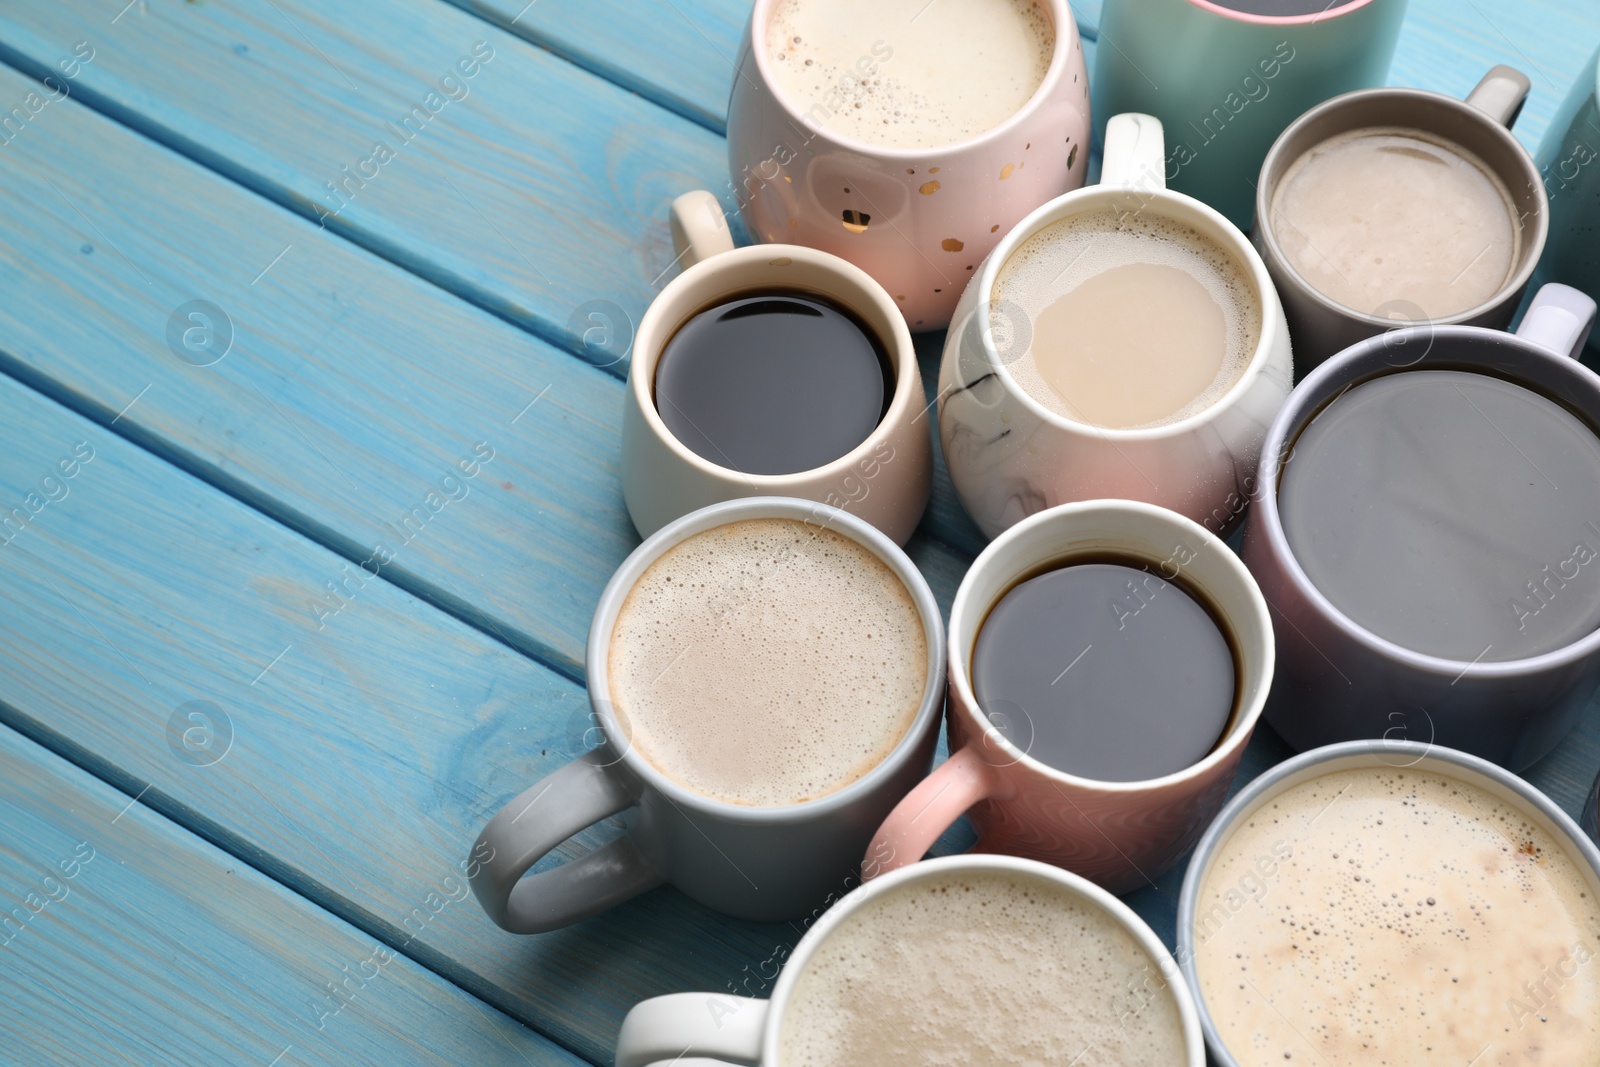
(761, 863)
(1388, 754)
(1319, 326)
(1336, 680)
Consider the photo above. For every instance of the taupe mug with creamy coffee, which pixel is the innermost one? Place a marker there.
(766, 675)
(1398, 207)
(1392, 902)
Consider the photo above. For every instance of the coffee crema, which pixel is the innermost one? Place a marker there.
(1135, 320)
(1104, 669)
(1392, 220)
(1453, 513)
(991, 968)
(767, 662)
(1410, 918)
(895, 74)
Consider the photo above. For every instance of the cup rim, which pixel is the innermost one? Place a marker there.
(1081, 201)
(907, 380)
(962, 607)
(1515, 283)
(721, 514)
(1060, 11)
(1292, 418)
(1280, 20)
(1260, 788)
(1101, 899)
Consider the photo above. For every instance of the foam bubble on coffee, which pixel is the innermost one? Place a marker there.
(1137, 320)
(1416, 919)
(767, 662)
(980, 967)
(881, 73)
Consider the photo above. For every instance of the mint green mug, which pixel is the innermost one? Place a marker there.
(1569, 163)
(1226, 77)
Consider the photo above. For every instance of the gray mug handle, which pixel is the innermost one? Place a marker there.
(1501, 94)
(537, 820)
(1558, 319)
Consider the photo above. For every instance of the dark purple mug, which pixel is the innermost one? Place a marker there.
(1339, 680)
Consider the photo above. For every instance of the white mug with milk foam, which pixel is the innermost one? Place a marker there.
(1015, 445)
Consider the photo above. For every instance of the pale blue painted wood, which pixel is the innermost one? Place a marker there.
(126, 939)
(368, 747)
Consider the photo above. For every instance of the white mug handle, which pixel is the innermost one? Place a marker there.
(1558, 319)
(699, 227)
(665, 1030)
(1135, 153)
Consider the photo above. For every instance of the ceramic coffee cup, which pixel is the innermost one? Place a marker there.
(1226, 76)
(1319, 325)
(1569, 159)
(916, 219)
(1009, 455)
(752, 862)
(737, 1029)
(1120, 835)
(1270, 878)
(1338, 680)
(885, 479)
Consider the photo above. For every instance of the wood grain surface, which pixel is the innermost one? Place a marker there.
(125, 939)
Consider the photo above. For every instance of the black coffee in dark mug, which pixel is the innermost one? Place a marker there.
(1427, 531)
(773, 383)
(1102, 668)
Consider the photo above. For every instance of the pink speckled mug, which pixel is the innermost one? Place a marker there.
(918, 220)
(1120, 835)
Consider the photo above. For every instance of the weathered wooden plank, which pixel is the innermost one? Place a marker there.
(491, 167)
(126, 939)
(360, 752)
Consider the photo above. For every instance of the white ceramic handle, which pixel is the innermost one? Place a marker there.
(1135, 155)
(667, 1029)
(1558, 319)
(1501, 93)
(699, 227)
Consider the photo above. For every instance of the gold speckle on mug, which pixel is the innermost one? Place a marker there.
(911, 170)
(781, 261)
(950, 244)
(1027, 146)
(900, 298)
(929, 188)
(1072, 157)
(933, 170)
(1005, 171)
(995, 227)
(788, 179)
(794, 224)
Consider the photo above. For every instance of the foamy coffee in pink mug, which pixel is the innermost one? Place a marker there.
(903, 139)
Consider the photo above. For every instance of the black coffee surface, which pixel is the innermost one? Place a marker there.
(1453, 513)
(773, 384)
(1105, 671)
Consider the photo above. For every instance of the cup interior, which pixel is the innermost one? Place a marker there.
(1000, 346)
(756, 270)
(1467, 348)
(1161, 967)
(1384, 755)
(1431, 114)
(1176, 547)
(1061, 20)
(820, 516)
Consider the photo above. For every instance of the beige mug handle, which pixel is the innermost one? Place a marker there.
(699, 227)
(1501, 93)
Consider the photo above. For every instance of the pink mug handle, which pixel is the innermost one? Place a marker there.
(928, 811)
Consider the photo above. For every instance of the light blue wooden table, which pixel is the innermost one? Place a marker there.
(237, 779)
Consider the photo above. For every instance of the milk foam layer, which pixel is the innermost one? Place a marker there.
(1136, 358)
(980, 969)
(1394, 219)
(909, 73)
(1397, 916)
(767, 662)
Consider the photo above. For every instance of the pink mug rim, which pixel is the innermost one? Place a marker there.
(1333, 11)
